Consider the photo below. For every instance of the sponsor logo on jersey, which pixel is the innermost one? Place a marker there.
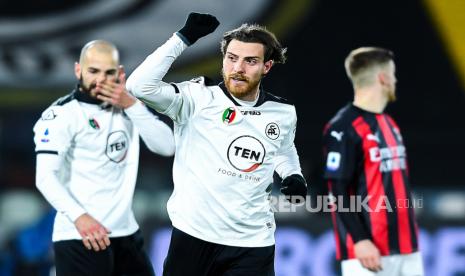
(117, 146)
(240, 176)
(45, 139)
(251, 112)
(229, 114)
(337, 135)
(333, 161)
(246, 153)
(272, 131)
(373, 137)
(49, 115)
(94, 124)
(269, 225)
(390, 158)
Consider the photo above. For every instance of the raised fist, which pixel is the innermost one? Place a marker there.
(198, 25)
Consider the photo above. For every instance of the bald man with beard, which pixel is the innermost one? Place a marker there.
(87, 146)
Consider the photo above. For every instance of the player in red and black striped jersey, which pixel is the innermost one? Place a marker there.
(366, 170)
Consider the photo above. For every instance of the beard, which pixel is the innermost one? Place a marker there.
(87, 89)
(246, 88)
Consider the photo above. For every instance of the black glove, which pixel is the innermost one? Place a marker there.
(294, 187)
(198, 25)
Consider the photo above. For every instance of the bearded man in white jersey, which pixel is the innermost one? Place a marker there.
(87, 146)
(230, 138)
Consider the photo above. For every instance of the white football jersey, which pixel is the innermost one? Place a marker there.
(226, 153)
(87, 161)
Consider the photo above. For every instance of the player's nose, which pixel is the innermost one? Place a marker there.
(238, 67)
(101, 78)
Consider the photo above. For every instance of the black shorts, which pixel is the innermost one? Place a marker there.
(124, 256)
(188, 255)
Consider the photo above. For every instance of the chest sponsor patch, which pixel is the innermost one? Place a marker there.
(117, 146)
(389, 158)
(246, 153)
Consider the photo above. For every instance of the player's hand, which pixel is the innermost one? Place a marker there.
(94, 235)
(198, 25)
(295, 188)
(115, 93)
(368, 255)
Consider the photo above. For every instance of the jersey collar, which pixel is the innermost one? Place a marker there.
(85, 97)
(351, 104)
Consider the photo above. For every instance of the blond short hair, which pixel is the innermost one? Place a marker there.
(363, 63)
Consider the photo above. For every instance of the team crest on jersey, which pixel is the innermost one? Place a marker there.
(246, 153)
(117, 146)
(272, 131)
(229, 114)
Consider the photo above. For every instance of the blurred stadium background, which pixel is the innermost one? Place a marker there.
(41, 39)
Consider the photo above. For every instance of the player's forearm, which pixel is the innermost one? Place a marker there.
(287, 162)
(287, 165)
(354, 226)
(352, 220)
(157, 135)
(146, 81)
(48, 184)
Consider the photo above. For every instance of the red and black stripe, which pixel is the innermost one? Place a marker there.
(392, 227)
(375, 188)
(405, 217)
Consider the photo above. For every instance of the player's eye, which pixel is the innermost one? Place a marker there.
(111, 73)
(231, 58)
(252, 61)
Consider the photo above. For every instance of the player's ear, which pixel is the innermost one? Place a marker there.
(383, 78)
(77, 70)
(267, 66)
